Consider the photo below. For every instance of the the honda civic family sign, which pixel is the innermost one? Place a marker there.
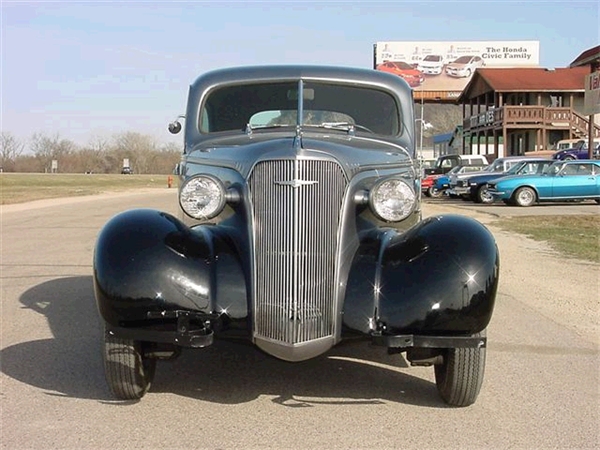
(441, 70)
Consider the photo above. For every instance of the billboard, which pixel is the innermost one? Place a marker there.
(441, 70)
(591, 100)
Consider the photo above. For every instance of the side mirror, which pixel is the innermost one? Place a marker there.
(175, 127)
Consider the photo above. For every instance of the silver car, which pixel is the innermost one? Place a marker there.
(464, 66)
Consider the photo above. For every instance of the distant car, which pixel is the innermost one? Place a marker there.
(561, 181)
(578, 151)
(445, 163)
(478, 189)
(438, 183)
(464, 66)
(431, 64)
(411, 75)
(458, 182)
(564, 144)
(126, 171)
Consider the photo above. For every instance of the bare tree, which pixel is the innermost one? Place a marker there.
(139, 148)
(10, 150)
(48, 148)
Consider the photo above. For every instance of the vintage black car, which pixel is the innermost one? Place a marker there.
(300, 226)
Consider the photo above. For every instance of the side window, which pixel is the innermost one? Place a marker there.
(570, 169)
(584, 169)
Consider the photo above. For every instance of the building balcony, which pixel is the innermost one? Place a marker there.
(530, 118)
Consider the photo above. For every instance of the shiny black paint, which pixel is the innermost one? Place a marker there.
(148, 261)
(440, 277)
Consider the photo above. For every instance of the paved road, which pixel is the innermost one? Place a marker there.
(541, 388)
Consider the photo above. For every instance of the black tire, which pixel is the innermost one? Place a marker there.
(434, 192)
(483, 196)
(597, 200)
(569, 158)
(460, 376)
(524, 196)
(128, 372)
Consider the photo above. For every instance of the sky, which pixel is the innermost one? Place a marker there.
(90, 70)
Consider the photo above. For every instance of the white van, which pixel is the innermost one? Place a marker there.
(474, 160)
(566, 143)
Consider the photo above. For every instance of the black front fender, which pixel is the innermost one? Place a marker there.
(438, 278)
(147, 262)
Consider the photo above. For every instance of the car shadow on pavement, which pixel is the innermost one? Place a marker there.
(70, 364)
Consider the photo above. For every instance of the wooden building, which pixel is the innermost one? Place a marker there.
(527, 109)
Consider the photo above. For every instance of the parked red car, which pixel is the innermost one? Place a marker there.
(411, 75)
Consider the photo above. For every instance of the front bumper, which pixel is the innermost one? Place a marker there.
(459, 191)
(419, 341)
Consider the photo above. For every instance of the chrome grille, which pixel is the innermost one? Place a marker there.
(296, 207)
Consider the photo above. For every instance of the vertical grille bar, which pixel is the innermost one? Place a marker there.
(296, 214)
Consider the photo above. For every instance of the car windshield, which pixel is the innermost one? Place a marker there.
(434, 58)
(496, 166)
(402, 65)
(529, 167)
(266, 105)
(463, 60)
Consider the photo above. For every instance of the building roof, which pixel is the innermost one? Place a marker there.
(534, 79)
(439, 138)
(589, 56)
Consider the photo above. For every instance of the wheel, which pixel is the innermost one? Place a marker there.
(568, 158)
(128, 372)
(597, 200)
(426, 192)
(525, 196)
(483, 196)
(434, 192)
(460, 376)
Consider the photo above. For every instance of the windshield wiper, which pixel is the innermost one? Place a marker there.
(249, 128)
(344, 126)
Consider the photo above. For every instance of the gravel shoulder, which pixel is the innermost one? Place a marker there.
(563, 289)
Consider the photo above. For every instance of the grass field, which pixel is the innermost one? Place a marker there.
(25, 187)
(574, 236)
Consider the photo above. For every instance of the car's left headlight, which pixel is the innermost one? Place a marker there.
(202, 197)
(392, 199)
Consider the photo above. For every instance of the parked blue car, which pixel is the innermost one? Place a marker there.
(442, 182)
(478, 184)
(578, 151)
(561, 181)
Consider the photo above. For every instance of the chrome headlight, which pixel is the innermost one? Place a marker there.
(202, 197)
(392, 199)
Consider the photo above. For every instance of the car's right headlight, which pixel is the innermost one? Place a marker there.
(392, 199)
(202, 197)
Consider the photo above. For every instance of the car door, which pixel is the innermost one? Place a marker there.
(575, 180)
